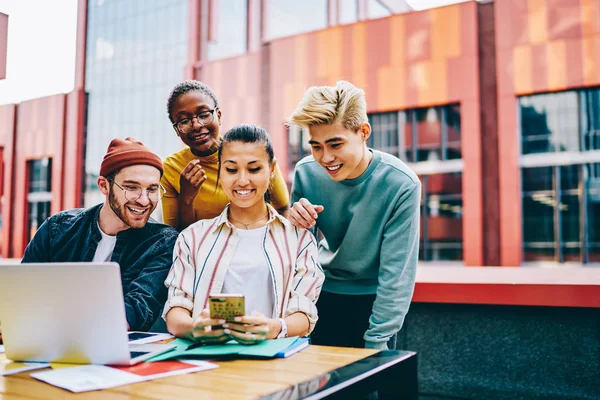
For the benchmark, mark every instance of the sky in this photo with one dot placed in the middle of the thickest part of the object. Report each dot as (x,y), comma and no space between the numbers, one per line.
(41,46)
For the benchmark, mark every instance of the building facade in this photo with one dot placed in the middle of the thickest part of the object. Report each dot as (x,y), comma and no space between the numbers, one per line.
(477,97)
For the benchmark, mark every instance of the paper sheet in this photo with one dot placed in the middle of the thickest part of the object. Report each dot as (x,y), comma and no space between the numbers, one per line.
(8,367)
(94,377)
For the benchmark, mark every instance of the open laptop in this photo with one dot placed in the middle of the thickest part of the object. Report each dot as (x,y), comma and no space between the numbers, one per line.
(67,312)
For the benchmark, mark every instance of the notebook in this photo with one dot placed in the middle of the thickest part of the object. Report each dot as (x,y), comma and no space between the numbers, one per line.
(268,349)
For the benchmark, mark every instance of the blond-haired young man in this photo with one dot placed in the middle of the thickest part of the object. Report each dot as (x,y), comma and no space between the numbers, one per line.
(366,205)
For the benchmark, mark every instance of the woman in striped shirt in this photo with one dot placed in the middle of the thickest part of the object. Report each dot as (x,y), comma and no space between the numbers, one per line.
(249,249)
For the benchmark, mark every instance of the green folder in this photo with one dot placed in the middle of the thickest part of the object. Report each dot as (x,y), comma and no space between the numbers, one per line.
(266,349)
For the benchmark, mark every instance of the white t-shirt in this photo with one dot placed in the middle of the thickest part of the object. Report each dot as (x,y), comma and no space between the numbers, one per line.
(105,247)
(249,273)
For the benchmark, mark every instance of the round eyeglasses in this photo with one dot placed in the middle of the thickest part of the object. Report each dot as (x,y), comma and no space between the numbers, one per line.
(134,192)
(187,124)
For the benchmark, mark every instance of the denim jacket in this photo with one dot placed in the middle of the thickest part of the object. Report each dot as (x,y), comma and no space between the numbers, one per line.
(144,255)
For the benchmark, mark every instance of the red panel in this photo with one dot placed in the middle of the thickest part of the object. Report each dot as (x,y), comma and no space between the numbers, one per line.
(378,38)
(508,294)
(418,38)
(513,14)
(8,114)
(468,31)
(80,49)
(574,65)
(40,133)
(564,19)
(194,16)
(472,183)
(347,49)
(509,178)
(3,44)
(539,74)
(73,143)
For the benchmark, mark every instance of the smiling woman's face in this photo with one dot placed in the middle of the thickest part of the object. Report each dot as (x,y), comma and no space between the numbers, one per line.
(202,139)
(245,173)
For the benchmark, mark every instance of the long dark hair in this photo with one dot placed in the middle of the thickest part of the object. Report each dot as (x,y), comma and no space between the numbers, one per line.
(247,133)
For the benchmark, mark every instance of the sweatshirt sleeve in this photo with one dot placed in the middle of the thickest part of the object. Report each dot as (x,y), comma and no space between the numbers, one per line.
(397,271)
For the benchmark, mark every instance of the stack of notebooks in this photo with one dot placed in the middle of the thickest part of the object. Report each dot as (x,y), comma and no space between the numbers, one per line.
(276,348)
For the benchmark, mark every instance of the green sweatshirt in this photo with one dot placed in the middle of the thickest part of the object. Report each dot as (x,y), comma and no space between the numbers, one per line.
(371,236)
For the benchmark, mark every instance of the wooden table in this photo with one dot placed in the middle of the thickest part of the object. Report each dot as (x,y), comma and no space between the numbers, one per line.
(314,373)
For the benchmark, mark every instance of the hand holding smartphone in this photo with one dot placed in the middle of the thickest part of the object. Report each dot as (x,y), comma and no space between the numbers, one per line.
(226,306)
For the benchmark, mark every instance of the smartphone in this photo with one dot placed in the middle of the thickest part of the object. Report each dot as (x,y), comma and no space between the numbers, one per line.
(226,306)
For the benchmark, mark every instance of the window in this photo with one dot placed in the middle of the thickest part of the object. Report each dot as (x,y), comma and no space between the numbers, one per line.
(232,23)
(298,146)
(441,217)
(429,134)
(287,18)
(39,194)
(561,213)
(560,198)
(420,134)
(387,136)
(591,119)
(549,123)
(558,122)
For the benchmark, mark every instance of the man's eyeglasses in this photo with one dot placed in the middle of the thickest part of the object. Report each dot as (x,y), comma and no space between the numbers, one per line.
(134,192)
(186,125)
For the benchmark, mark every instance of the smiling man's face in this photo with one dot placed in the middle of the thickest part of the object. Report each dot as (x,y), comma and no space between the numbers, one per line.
(134,213)
(341,152)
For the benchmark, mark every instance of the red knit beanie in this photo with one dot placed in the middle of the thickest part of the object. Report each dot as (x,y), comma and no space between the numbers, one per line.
(125,152)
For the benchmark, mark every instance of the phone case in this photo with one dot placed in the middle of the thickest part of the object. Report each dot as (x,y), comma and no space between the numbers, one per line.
(226,307)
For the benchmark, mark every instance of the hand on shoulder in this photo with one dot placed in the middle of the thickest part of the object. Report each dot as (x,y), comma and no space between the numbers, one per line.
(304,214)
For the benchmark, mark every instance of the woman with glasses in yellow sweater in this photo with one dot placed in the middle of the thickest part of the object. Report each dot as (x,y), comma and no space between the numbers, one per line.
(190,176)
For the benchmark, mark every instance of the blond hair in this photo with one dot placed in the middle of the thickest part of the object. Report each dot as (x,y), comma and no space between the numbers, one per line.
(327,105)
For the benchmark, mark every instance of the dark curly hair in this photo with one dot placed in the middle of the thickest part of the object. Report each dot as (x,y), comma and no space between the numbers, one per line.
(186,87)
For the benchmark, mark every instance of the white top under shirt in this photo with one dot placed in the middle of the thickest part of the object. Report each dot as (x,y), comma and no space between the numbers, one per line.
(105,248)
(249,274)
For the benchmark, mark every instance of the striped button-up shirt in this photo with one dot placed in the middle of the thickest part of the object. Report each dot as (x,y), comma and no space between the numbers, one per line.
(204,251)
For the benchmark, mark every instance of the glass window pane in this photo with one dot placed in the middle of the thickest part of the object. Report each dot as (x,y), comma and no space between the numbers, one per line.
(232,30)
(591,130)
(408,136)
(384,132)
(537,179)
(549,122)
(429,133)
(570,213)
(539,202)
(286,18)
(452,121)
(570,227)
(444,217)
(592,174)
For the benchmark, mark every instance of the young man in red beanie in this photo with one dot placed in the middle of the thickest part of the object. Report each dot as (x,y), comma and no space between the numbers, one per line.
(118,230)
